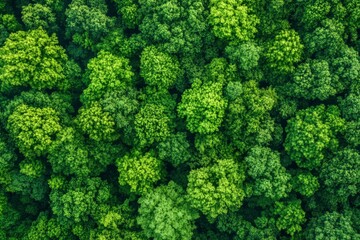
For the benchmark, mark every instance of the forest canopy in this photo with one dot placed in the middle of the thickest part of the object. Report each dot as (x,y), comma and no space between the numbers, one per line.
(169,119)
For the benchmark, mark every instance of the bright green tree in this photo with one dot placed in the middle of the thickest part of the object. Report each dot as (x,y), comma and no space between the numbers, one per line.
(152,124)
(203,107)
(33,59)
(139,171)
(216,189)
(284,51)
(97,123)
(106,72)
(290,216)
(231,20)
(33,129)
(159,69)
(165,213)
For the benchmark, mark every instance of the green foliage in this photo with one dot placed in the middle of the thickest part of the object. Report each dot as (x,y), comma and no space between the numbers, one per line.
(61,103)
(32,59)
(68,154)
(87,22)
(33,129)
(246,55)
(248,120)
(216,189)
(122,105)
(139,171)
(213,146)
(232,21)
(165,213)
(97,123)
(179,119)
(159,69)
(152,124)
(313,80)
(339,175)
(305,183)
(129,11)
(325,40)
(269,179)
(106,73)
(8,24)
(350,107)
(37,15)
(284,51)
(312,132)
(47,228)
(290,216)
(263,228)
(177,26)
(79,199)
(203,107)
(7,160)
(175,149)
(331,226)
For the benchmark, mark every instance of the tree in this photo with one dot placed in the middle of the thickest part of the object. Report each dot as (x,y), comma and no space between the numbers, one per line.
(87,22)
(232,21)
(47,228)
(216,189)
(175,149)
(290,216)
(263,227)
(245,55)
(139,171)
(37,15)
(60,102)
(332,225)
(284,51)
(176,26)
(338,175)
(69,155)
(325,40)
(313,80)
(165,213)
(213,146)
(33,129)
(248,121)
(305,183)
(106,73)
(97,123)
(269,180)
(78,200)
(8,24)
(203,107)
(129,11)
(122,104)
(311,133)
(152,124)
(159,69)
(33,59)
(7,160)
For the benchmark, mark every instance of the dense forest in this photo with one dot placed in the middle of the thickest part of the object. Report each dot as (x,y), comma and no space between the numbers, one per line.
(179,119)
